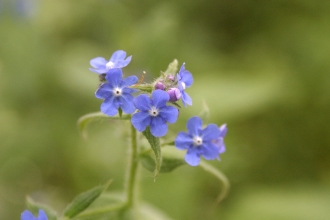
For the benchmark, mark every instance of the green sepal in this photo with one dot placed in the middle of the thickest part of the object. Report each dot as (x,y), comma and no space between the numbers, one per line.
(172,68)
(155,146)
(171,159)
(83,200)
(35,206)
(83,121)
(220,176)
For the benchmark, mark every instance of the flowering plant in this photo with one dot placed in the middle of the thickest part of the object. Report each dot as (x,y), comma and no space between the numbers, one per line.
(149,112)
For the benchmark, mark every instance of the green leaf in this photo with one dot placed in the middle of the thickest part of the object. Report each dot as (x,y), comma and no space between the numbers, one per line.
(96,116)
(172,68)
(220,176)
(108,206)
(171,159)
(155,146)
(82,201)
(35,206)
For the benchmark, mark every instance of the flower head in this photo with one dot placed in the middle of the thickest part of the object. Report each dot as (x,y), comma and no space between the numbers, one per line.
(116,93)
(117,60)
(185,80)
(198,141)
(27,215)
(154,113)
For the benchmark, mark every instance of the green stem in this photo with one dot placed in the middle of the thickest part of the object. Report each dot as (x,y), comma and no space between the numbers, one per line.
(131,184)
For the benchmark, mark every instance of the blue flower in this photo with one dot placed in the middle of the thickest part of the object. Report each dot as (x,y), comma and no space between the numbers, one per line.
(154,113)
(185,80)
(117,60)
(27,215)
(116,93)
(198,141)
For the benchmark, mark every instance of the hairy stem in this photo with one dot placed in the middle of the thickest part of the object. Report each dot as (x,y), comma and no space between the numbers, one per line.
(131,184)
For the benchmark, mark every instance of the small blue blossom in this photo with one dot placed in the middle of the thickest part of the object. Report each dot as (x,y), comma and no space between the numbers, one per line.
(198,141)
(185,80)
(116,93)
(219,142)
(154,113)
(27,215)
(117,60)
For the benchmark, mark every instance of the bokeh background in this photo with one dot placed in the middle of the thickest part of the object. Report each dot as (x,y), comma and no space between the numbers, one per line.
(262,67)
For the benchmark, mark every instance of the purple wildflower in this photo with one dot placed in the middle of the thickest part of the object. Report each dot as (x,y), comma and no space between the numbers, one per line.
(117,60)
(185,80)
(116,93)
(27,215)
(198,141)
(154,113)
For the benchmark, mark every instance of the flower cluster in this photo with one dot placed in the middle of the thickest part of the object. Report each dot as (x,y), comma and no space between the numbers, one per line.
(175,86)
(152,110)
(27,215)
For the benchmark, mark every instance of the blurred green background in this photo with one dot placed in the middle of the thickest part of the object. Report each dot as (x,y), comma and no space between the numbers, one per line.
(261,66)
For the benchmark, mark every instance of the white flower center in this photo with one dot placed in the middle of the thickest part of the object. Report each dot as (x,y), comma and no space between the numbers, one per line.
(197,141)
(153,111)
(117,91)
(110,65)
(183,85)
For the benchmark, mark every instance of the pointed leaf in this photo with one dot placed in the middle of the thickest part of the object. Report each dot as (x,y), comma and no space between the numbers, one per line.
(86,119)
(82,201)
(171,159)
(220,176)
(155,146)
(108,206)
(35,206)
(172,68)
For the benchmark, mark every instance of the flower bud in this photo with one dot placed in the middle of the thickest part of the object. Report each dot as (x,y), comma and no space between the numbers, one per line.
(171,78)
(175,94)
(160,85)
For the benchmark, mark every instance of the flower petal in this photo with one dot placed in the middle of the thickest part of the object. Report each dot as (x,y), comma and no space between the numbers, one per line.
(99,71)
(211,132)
(158,127)
(123,63)
(142,102)
(186,100)
(169,114)
(27,215)
(194,126)
(210,151)
(141,120)
(128,90)
(192,157)
(98,63)
(118,55)
(223,130)
(187,78)
(110,106)
(128,81)
(114,77)
(183,141)
(104,91)
(126,103)
(42,215)
(159,98)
